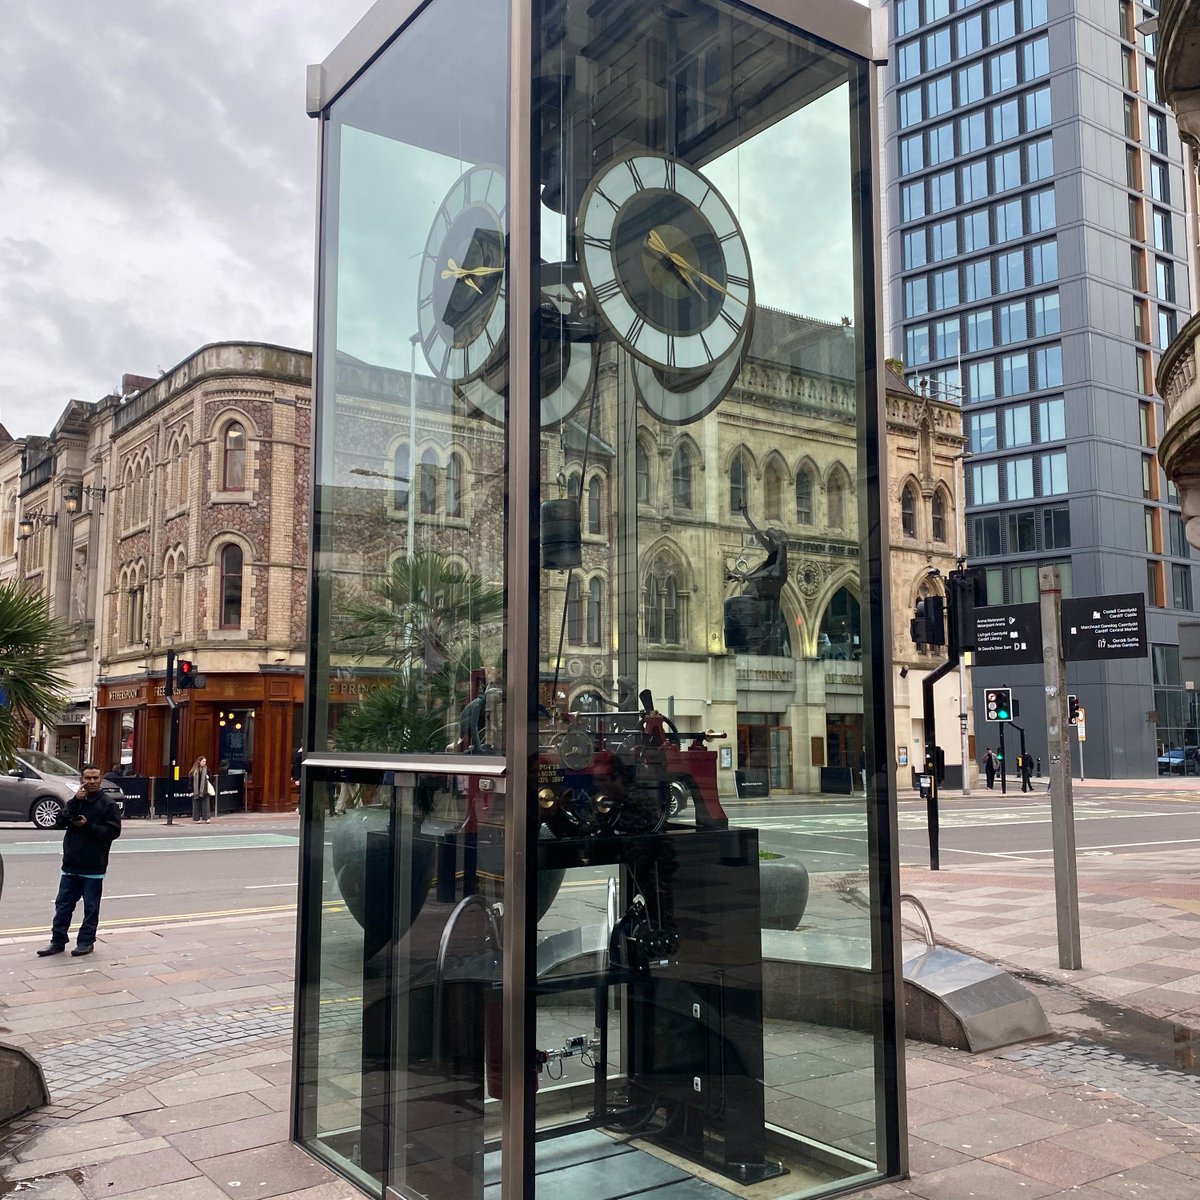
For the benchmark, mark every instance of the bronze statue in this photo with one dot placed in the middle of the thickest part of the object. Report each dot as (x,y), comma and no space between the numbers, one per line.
(753,621)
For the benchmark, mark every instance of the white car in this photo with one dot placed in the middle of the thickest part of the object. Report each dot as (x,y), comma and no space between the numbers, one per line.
(35,788)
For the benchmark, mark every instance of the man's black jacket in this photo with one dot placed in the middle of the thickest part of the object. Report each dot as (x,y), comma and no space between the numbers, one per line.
(85,847)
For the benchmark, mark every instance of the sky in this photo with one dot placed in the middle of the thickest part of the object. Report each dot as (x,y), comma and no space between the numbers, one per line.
(157,187)
(158,192)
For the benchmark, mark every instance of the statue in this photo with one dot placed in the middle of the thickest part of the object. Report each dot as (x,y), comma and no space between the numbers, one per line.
(753,621)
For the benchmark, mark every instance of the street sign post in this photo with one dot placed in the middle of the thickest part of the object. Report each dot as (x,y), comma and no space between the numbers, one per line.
(1008,635)
(1104,627)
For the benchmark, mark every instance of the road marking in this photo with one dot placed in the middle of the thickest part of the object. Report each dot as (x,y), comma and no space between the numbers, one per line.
(250,887)
(1124,845)
(131,896)
(155,845)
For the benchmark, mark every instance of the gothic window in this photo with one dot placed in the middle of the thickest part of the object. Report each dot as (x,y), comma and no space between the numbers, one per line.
(574,612)
(642,468)
(231,586)
(938,517)
(181,471)
(804,498)
(681,478)
(837,501)
(908,512)
(233,464)
(664,604)
(737,483)
(402,474)
(773,493)
(135,605)
(595,612)
(840,635)
(593,504)
(454,486)
(428,482)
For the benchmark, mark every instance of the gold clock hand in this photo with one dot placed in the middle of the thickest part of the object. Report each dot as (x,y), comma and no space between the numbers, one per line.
(681,264)
(466,274)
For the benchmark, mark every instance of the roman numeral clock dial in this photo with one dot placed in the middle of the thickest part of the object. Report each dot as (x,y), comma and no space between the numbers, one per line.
(666,266)
(461,282)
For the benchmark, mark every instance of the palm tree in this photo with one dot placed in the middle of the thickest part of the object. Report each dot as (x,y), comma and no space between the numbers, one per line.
(31,644)
(427,619)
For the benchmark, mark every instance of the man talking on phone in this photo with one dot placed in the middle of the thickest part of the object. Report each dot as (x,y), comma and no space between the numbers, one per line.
(93,821)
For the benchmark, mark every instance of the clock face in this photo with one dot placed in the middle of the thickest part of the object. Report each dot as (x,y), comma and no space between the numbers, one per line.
(665,263)
(677,399)
(565,366)
(461,283)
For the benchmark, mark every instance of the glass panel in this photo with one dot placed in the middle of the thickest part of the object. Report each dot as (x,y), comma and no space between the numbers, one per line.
(730,661)
(409,611)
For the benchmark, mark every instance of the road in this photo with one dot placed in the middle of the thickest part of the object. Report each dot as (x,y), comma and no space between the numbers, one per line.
(250,864)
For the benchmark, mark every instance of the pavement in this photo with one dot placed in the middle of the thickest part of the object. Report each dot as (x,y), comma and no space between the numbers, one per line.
(168,1051)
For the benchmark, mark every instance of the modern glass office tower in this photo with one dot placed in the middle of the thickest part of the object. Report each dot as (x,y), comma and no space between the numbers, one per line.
(1038,260)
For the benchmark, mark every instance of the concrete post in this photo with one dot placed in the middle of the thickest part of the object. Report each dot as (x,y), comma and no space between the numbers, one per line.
(1062,802)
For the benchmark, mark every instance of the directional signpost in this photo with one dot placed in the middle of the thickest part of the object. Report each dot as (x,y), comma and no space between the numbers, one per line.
(1104,627)
(1008,636)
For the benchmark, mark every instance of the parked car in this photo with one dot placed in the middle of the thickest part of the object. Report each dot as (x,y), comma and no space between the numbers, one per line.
(1184,761)
(35,788)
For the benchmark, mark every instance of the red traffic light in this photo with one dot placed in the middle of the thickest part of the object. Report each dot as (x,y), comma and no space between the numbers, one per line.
(185,673)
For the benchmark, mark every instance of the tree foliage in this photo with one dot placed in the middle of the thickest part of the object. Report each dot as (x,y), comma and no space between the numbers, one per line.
(31,648)
(427,621)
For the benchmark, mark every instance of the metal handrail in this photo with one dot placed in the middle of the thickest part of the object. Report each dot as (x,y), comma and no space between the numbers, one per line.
(922,916)
(491,913)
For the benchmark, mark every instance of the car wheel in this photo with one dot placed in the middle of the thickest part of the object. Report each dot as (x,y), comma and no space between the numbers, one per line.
(46,812)
(678,796)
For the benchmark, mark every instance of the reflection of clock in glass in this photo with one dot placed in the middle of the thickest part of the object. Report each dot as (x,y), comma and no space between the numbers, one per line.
(461,286)
(565,366)
(679,399)
(665,262)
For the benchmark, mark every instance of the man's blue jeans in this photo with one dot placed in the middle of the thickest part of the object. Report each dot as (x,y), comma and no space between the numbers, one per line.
(70,890)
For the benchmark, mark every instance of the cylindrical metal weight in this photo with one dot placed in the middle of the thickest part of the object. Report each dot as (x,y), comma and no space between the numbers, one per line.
(562,546)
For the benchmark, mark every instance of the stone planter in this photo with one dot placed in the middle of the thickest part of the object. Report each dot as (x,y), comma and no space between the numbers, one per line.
(783,892)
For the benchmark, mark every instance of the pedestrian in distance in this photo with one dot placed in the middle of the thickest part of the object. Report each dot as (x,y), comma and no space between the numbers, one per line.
(92,818)
(202,791)
(989,766)
(1026,772)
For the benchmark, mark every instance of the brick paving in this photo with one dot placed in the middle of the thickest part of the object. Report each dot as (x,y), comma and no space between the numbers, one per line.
(168,1053)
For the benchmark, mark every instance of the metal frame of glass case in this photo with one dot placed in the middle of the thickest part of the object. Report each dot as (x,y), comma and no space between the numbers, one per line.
(651,237)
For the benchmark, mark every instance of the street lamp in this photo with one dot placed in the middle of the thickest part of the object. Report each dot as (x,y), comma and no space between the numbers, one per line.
(73,494)
(959,462)
(34,520)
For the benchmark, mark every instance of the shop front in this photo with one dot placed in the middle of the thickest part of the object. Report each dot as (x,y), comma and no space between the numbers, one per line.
(564,302)
(246,725)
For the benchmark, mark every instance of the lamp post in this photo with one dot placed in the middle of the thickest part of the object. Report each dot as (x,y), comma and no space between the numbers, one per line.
(960,465)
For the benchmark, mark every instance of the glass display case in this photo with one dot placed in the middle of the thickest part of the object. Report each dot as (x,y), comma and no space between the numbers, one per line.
(598,883)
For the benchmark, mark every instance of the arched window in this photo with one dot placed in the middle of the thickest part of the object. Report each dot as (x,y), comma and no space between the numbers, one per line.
(428,483)
(681,478)
(454,486)
(402,474)
(595,611)
(181,470)
(653,616)
(804,498)
(173,594)
(737,483)
(937,514)
(837,501)
(840,635)
(773,493)
(231,586)
(574,612)
(573,486)
(8,535)
(233,464)
(908,512)
(135,606)
(670,621)
(593,507)
(642,469)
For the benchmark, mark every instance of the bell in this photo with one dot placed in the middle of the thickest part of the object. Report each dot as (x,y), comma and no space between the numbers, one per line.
(562,539)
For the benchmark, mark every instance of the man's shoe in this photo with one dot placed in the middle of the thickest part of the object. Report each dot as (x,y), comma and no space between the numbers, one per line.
(80,950)
(53,948)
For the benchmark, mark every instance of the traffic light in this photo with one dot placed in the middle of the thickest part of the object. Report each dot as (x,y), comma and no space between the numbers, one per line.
(1072,709)
(997,704)
(968,591)
(185,673)
(928,627)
